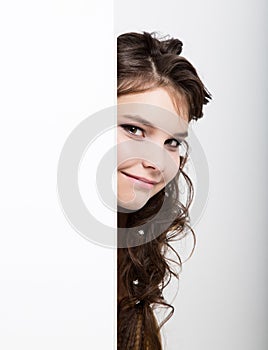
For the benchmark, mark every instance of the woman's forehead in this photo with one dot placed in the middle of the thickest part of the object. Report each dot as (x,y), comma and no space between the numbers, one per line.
(154,109)
(160,97)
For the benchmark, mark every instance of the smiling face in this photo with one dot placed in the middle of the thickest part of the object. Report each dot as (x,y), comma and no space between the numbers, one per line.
(149,133)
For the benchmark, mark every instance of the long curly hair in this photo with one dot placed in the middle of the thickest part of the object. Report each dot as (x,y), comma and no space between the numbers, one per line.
(145,62)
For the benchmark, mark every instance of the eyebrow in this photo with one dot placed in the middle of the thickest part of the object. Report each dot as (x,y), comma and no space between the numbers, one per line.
(139,119)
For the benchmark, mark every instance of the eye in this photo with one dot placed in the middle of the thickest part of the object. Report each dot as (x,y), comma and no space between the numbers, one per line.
(174,143)
(132,129)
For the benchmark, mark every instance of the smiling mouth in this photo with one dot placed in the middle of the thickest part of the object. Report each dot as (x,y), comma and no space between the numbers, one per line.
(140,181)
(140,178)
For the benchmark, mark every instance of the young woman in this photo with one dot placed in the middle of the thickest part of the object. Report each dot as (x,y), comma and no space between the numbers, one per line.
(159,93)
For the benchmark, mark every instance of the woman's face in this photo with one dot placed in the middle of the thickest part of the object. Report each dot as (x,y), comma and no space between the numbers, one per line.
(149,134)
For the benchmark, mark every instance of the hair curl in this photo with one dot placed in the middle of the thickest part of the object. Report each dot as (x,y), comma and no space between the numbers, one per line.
(144,63)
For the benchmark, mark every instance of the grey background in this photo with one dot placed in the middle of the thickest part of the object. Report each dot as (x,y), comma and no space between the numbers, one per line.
(222,301)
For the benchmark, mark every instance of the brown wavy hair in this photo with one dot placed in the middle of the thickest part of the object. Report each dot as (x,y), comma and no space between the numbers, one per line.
(144,62)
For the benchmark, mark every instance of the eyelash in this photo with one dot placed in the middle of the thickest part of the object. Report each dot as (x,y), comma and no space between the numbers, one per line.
(127,127)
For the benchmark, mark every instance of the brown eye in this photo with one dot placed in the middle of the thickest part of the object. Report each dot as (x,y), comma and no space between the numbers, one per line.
(174,143)
(132,129)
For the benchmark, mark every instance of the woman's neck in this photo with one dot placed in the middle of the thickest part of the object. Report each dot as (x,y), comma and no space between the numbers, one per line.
(122,218)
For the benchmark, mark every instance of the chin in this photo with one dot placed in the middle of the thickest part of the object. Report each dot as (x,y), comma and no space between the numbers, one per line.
(130,206)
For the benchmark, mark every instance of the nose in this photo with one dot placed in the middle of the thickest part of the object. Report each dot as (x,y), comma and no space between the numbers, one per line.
(156,163)
(148,164)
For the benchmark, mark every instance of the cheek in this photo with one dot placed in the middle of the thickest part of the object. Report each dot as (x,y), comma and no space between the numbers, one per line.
(120,135)
(171,167)
(126,151)
(124,164)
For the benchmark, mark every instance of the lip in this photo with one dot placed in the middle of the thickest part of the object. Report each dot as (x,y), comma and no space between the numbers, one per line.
(146,183)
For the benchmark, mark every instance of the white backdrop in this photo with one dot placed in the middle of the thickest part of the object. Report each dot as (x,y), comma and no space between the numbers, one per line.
(57,68)
(222,302)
